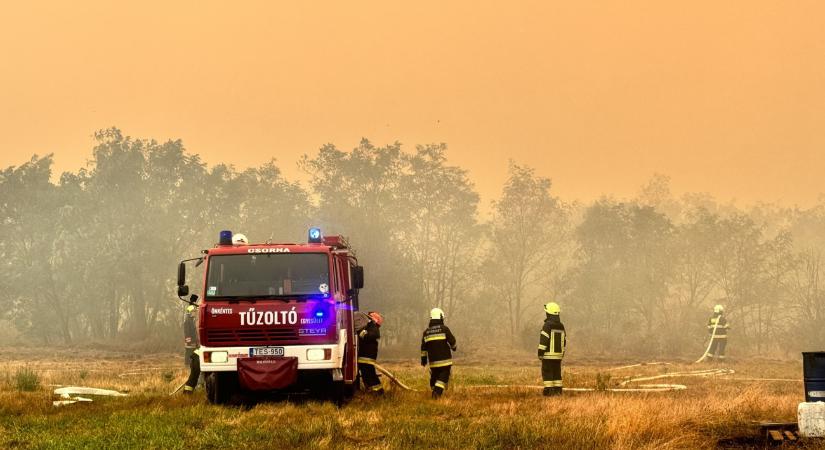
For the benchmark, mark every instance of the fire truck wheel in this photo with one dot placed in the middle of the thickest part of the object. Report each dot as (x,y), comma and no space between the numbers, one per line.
(349,389)
(338,391)
(221,387)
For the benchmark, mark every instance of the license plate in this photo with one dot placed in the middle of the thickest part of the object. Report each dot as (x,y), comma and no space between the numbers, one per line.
(266,351)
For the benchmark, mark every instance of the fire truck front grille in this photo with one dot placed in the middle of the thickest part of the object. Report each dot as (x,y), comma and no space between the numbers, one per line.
(259,336)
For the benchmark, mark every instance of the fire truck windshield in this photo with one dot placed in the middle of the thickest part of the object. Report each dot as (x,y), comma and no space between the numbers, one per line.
(268,275)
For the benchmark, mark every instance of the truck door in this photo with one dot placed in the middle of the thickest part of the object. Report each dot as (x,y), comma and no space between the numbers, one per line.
(341,287)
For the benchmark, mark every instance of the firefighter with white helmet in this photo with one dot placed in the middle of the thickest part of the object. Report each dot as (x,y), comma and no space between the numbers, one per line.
(437,345)
(239,239)
(718,329)
(190,336)
(552,345)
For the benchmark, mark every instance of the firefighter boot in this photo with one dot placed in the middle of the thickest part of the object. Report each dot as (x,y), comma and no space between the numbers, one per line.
(552,391)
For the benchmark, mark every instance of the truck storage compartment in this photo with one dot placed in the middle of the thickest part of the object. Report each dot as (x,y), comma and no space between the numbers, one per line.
(267,373)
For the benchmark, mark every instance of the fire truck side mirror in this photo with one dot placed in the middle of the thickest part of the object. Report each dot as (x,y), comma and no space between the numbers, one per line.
(357,277)
(183,289)
(181,274)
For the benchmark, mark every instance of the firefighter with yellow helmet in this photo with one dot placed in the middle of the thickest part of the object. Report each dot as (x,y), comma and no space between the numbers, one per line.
(718,329)
(552,344)
(437,345)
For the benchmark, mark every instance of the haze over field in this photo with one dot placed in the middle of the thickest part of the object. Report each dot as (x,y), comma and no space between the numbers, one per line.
(725,98)
(584,153)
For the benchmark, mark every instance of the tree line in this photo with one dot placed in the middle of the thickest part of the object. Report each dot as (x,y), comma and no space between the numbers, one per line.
(91,256)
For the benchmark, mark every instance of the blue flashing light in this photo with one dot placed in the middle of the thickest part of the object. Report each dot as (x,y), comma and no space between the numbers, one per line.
(315,235)
(225,238)
(319,314)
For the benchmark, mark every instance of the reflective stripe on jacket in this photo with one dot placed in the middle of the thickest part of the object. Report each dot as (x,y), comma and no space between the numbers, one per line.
(721,328)
(437,344)
(553,339)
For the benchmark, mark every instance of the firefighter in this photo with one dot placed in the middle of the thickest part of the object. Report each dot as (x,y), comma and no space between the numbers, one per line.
(437,346)
(552,344)
(719,339)
(368,353)
(190,336)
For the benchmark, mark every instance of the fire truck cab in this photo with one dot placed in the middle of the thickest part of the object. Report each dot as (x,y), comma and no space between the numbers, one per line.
(277,318)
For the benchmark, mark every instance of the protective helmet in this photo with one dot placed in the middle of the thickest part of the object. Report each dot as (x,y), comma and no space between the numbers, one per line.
(552,308)
(376,317)
(436,313)
(239,239)
(718,309)
(190,308)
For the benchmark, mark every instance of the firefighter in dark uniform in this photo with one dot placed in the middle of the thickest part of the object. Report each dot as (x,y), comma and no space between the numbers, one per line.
(368,353)
(190,336)
(552,344)
(437,346)
(719,341)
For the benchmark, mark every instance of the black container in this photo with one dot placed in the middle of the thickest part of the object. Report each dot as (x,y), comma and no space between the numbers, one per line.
(813,370)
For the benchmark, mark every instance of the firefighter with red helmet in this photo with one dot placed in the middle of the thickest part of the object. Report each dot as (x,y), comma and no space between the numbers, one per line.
(368,352)
(437,345)
(552,344)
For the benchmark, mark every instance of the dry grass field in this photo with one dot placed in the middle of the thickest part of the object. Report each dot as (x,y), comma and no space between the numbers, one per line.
(717,411)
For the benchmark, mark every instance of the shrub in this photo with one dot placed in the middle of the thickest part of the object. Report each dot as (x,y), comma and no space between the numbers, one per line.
(602,381)
(26,379)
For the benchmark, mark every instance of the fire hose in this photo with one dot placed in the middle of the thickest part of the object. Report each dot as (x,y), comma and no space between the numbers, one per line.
(710,344)
(394,379)
(639,388)
(621,388)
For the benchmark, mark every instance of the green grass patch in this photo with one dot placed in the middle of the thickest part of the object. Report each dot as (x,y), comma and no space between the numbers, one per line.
(26,380)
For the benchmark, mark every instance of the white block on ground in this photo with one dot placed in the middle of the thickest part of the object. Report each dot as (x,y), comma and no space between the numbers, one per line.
(66,392)
(811,419)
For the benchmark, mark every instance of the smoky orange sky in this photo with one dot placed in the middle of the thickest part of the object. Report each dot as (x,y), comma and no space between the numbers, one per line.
(725,97)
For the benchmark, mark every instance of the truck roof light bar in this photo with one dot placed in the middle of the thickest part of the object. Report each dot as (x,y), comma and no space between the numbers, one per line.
(337,242)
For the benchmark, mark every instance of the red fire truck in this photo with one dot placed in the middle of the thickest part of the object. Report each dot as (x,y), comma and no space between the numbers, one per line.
(277,318)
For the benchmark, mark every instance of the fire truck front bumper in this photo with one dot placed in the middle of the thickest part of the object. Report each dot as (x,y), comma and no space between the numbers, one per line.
(225,359)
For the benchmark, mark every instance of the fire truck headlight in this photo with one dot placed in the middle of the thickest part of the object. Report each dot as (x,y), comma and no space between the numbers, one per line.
(315,235)
(217,357)
(318,354)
